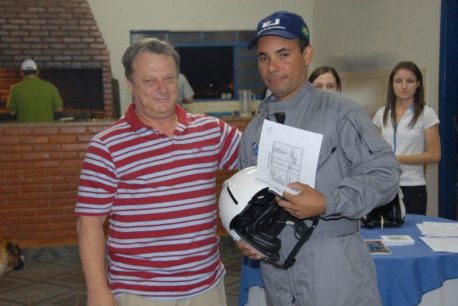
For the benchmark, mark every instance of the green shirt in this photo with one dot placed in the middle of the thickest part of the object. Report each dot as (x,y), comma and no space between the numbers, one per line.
(34,100)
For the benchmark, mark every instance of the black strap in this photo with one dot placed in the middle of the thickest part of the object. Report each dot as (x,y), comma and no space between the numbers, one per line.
(280,117)
(291,259)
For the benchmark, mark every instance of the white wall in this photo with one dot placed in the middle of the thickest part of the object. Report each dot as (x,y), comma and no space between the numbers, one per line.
(351,35)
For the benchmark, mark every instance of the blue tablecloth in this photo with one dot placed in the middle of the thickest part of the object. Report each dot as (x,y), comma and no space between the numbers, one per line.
(403,276)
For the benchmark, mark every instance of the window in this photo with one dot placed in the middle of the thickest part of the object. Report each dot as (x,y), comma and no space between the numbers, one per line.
(210,70)
(215,63)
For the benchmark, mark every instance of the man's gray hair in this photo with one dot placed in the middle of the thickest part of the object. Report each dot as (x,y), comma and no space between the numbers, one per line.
(150,45)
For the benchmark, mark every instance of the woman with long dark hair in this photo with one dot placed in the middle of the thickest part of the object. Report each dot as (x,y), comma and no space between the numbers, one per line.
(412,129)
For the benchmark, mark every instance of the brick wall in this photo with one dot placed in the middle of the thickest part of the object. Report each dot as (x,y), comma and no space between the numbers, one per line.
(56,34)
(40,171)
(40,166)
(7,78)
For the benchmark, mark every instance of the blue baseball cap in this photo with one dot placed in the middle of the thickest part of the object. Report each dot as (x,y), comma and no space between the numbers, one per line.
(284,24)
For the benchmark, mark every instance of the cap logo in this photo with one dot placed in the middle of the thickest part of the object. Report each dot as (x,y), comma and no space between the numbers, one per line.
(305,31)
(271,23)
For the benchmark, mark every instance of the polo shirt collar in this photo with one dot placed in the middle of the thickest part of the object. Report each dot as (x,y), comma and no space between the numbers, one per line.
(133,120)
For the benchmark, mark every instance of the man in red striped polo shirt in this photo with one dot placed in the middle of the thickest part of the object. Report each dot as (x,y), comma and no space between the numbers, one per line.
(152,176)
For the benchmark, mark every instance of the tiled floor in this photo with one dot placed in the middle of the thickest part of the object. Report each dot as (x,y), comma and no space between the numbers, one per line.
(52,277)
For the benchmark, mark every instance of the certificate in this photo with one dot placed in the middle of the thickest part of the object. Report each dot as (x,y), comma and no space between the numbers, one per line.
(287,155)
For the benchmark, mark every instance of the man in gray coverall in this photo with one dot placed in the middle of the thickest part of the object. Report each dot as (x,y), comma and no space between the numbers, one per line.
(356,172)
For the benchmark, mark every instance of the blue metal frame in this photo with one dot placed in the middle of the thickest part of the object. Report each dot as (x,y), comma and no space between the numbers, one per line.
(448,100)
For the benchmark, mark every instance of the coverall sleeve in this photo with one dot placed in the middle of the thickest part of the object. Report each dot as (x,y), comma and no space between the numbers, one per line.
(373,173)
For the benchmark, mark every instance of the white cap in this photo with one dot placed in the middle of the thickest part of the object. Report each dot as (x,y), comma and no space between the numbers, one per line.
(29,64)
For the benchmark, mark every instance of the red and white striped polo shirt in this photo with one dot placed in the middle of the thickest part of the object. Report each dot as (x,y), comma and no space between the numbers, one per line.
(159,193)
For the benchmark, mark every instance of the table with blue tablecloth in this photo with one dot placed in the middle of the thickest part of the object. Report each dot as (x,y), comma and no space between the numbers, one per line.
(404,276)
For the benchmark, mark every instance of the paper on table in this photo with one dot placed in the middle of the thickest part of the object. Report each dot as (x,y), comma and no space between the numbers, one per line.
(286,155)
(438,229)
(397,240)
(441,244)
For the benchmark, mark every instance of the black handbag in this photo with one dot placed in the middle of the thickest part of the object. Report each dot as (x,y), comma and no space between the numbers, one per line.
(388,215)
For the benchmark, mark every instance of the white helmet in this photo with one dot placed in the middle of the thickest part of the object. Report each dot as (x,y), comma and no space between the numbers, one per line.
(236,194)
(249,211)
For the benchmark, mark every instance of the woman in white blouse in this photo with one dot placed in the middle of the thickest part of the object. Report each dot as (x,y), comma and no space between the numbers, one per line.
(412,129)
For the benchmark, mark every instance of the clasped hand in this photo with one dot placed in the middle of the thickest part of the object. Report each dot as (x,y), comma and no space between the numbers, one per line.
(306,204)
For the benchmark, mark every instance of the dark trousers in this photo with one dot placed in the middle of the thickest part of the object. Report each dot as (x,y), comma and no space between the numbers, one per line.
(415,198)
